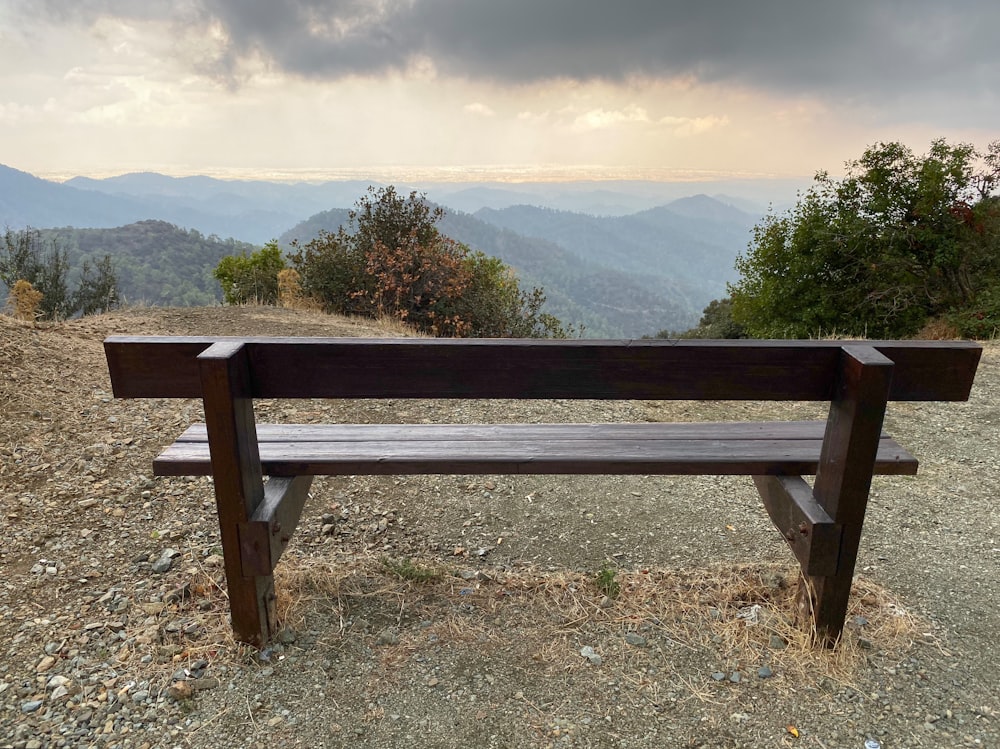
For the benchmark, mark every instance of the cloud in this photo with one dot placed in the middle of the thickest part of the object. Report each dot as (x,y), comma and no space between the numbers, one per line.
(602,119)
(480,109)
(917,55)
(685,126)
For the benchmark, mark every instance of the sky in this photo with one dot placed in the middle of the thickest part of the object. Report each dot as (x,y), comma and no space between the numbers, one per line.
(513,89)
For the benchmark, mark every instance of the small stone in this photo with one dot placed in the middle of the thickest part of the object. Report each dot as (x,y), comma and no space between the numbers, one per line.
(387,636)
(328,529)
(735,677)
(606,602)
(179,691)
(214,560)
(778,642)
(30,706)
(718,676)
(58,693)
(140,696)
(764,672)
(286,636)
(275,720)
(633,639)
(591,655)
(45,664)
(164,563)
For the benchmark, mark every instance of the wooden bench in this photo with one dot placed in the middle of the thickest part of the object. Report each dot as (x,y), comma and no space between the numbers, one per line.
(822,523)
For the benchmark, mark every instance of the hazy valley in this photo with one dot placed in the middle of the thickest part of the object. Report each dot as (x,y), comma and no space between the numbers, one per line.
(614,258)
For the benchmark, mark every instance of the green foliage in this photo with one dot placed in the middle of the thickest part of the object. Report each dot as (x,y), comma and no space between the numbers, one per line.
(251,278)
(155,262)
(716,322)
(390,259)
(97,290)
(898,240)
(606,582)
(23,257)
(980,319)
(405,569)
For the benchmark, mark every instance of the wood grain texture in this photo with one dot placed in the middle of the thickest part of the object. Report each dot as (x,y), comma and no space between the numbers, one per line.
(742,448)
(239,487)
(808,530)
(844,475)
(521,368)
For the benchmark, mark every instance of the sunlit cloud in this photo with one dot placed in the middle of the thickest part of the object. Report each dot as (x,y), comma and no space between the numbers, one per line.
(478,108)
(602,119)
(687,126)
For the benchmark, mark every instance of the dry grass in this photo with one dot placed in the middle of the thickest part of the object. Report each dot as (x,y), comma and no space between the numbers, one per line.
(733,613)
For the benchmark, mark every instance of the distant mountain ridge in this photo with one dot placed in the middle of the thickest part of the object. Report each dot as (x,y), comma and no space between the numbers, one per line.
(620,264)
(615,276)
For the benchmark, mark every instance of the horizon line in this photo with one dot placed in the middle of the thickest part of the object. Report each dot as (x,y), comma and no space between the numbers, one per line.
(504,174)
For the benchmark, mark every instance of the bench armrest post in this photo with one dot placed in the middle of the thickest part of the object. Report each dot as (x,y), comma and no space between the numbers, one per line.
(239,485)
(844,475)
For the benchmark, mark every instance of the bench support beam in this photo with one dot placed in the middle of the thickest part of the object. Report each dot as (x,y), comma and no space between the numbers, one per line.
(239,485)
(844,477)
(810,532)
(264,537)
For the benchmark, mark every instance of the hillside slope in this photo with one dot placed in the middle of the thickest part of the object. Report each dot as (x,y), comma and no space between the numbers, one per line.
(488,655)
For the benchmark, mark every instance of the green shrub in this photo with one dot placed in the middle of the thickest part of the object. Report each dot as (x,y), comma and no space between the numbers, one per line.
(251,278)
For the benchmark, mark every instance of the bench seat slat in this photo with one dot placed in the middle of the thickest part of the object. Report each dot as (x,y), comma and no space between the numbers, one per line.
(778,448)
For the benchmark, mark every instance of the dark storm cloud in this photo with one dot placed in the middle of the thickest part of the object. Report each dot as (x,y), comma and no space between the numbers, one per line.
(862,48)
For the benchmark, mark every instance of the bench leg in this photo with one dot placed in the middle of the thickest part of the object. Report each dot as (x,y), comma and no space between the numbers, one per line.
(239,484)
(844,476)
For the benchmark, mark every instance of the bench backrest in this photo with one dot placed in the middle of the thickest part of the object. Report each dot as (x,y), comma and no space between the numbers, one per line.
(160,366)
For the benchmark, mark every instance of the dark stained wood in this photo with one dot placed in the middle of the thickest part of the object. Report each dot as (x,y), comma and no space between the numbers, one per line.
(519,368)
(742,430)
(844,476)
(822,526)
(239,487)
(644,449)
(809,531)
(264,537)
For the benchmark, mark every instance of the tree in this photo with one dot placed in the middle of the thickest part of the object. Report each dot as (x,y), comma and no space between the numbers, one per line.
(97,290)
(391,260)
(900,239)
(23,258)
(716,322)
(251,278)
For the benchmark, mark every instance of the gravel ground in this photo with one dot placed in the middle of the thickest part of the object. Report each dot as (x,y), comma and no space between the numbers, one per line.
(112,617)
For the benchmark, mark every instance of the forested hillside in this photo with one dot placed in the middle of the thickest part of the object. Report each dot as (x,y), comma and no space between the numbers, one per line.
(156,262)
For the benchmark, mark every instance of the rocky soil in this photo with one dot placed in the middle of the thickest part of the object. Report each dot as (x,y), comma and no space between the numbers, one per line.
(470,611)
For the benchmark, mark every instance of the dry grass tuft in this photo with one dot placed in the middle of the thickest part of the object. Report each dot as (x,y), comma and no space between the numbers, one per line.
(938,329)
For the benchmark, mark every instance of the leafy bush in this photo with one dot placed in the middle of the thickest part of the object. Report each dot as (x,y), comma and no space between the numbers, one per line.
(899,240)
(716,322)
(392,261)
(251,278)
(980,319)
(23,258)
